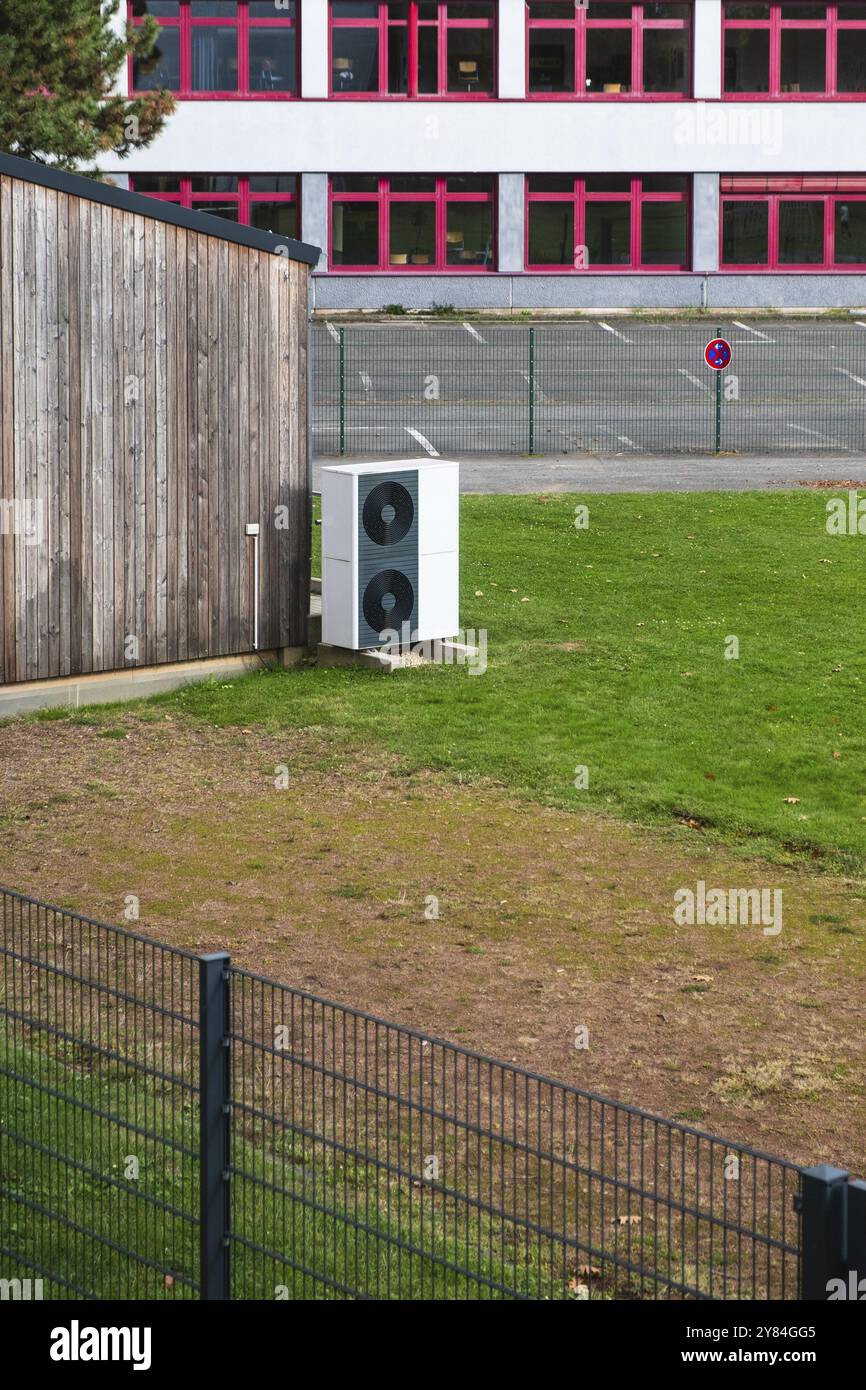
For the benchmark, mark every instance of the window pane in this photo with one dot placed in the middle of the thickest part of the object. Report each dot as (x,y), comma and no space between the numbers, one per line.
(268,9)
(801,233)
(746,9)
(747,60)
(470,9)
(355,234)
(165,69)
(413,234)
(551,60)
(469,183)
(214,183)
(608,60)
(428,58)
(355,183)
(273,183)
(665,183)
(608,183)
(852,60)
(551,233)
(398,59)
(156,183)
(664,234)
(160,9)
(850,223)
(608,233)
(469,235)
(281,218)
(666,9)
(803,60)
(217,209)
(356,60)
(551,183)
(355,9)
(213,9)
(744,233)
(272,60)
(665,60)
(798,10)
(413,183)
(214,59)
(470,60)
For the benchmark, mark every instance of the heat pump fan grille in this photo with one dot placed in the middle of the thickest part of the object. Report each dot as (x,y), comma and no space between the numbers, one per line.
(378,611)
(388,513)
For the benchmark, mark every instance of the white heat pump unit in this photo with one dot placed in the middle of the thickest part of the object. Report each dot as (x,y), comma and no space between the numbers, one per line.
(389,552)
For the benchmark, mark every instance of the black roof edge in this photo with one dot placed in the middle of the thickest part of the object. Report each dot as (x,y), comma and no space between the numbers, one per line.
(79,186)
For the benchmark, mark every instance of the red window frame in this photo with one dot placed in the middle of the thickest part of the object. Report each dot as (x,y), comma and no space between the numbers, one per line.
(774,191)
(382,23)
(581,20)
(244,23)
(440,197)
(833,25)
(244,198)
(636,198)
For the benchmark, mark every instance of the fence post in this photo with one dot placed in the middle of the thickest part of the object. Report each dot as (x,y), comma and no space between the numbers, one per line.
(718,376)
(214,1124)
(823,1205)
(532,390)
(342,391)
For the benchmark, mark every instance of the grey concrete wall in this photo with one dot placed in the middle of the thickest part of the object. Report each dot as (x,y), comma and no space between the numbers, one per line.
(520,291)
(314,213)
(705,222)
(510,219)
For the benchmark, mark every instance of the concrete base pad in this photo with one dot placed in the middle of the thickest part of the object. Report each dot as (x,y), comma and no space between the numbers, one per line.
(134,684)
(375,659)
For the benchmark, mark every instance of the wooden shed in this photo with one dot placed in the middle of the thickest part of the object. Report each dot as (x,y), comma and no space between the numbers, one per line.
(153,412)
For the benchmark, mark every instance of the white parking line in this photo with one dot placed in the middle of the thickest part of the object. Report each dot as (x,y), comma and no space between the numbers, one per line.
(624,439)
(702,386)
(860,323)
(615,331)
(859,380)
(474,333)
(365,381)
(333,332)
(846,448)
(756,331)
(539,394)
(425,443)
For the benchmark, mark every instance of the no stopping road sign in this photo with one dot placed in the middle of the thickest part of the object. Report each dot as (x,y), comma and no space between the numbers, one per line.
(717,354)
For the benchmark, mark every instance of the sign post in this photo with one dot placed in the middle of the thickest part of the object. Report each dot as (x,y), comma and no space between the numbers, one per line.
(717,355)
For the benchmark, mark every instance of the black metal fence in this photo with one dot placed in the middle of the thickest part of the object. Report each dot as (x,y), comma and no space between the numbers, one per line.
(173,1126)
(610,388)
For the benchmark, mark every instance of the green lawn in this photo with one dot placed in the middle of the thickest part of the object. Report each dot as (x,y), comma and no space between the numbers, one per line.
(606,649)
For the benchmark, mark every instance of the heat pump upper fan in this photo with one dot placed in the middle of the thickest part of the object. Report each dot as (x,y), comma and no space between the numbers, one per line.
(389,552)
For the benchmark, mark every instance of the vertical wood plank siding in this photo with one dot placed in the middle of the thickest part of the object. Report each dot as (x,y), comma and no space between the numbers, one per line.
(153,400)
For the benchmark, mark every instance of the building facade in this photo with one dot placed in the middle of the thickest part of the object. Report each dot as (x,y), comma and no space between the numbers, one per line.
(525,154)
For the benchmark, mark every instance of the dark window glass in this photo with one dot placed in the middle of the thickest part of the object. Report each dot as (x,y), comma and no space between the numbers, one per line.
(548,9)
(355,234)
(850,223)
(428,59)
(664,234)
(356,60)
(156,183)
(468,183)
(745,9)
(160,9)
(214,183)
(798,10)
(268,9)
(469,234)
(804,56)
(214,59)
(551,233)
(608,233)
(413,183)
(412,234)
(608,60)
(213,9)
(744,233)
(747,60)
(551,183)
(355,9)
(355,183)
(665,60)
(273,183)
(551,60)
(272,60)
(607,183)
(281,218)
(163,69)
(852,60)
(801,232)
(470,60)
(665,183)
(217,209)
(398,59)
